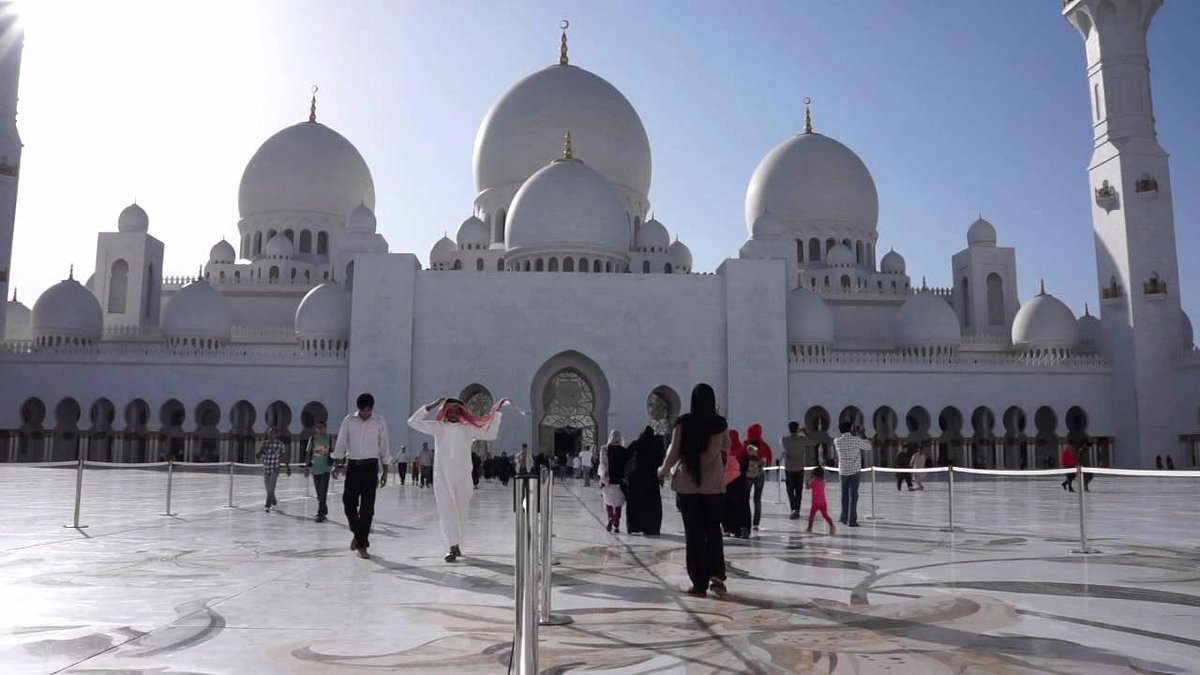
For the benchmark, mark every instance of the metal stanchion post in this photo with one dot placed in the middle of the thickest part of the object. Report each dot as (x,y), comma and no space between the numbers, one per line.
(950,492)
(230,504)
(524,657)
(170,477)
(1083,541)
(78,492)
(873,516)
(546,536)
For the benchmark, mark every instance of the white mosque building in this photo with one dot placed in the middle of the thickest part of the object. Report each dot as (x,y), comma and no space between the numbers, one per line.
(561,291)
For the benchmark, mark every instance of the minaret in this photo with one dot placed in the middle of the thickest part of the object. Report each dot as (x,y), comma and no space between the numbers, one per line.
(11,42)
(1133,224)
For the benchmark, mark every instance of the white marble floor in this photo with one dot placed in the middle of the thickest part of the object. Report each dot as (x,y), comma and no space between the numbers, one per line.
(217,590)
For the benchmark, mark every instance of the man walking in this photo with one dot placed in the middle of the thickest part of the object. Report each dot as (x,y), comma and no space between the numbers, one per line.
(795,450)
(850,449)
(401,463)
(362,445)
(317,459)
(425,461)
(272,453)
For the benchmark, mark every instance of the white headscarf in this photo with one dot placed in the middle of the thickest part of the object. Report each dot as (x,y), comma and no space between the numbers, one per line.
(615,438)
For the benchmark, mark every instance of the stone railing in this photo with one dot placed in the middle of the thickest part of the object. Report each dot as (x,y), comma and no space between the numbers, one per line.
(263,334)
(151,353)
(985,342)
(888,360)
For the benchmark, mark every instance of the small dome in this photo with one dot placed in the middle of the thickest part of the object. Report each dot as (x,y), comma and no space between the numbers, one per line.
(981,233)
(443,252)
(197,311)
(652,236)
(133,219)
(1088,330)
(472,233)
(306,167)
(67,310)
(222,252)
(1044,323)
(324,313)
(815,186)
(926,320)
(766,226)
(361,220)
(17,322)
(280,247)
(892,263)
(840,256)
(1188,336)
(568,206)
(680,256)
(809,321)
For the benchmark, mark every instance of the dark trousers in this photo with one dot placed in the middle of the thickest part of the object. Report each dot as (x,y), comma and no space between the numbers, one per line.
(849,500)
(321,482)
(401,471)
(794,482)
(702,533)
(758,484)
(358,498)
(416,471)
(902,478)
(269,478)
(426,476)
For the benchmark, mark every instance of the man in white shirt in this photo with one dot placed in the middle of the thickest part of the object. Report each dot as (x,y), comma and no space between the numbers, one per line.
(585,465)
(362,446)
(850,449)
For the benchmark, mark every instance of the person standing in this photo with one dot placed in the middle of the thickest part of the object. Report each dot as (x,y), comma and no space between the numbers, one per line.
(476,467)
(272,452)
(402,463)
(454,428)
(1068,460)
(425,462)
(1170,463)
(643,508)
(904,461)
(816,485)
(317,460)
(850,449)
(795,450)
(362,446)
(585,462)
(415,466)
(613,459)
(698,441)
(758,458)
(737,490)
(917,462)
(577,469)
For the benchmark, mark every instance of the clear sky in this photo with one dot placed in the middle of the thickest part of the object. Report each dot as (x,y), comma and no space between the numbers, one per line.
(957,108)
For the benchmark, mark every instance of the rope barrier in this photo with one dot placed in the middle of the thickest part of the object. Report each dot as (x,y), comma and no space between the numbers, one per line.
(125,465)
(1145,473)
(40,464)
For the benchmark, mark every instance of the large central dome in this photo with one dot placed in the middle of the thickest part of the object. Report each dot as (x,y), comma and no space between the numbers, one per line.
(524,128)
(306,167)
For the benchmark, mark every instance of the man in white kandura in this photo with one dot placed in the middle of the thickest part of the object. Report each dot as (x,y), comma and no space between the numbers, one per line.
(454,429)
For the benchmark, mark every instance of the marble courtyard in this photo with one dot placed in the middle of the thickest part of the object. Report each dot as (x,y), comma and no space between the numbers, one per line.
(221,590)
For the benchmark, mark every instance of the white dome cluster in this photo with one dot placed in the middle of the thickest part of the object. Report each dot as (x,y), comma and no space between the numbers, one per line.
(1045,327)
(197,316)
(652,237)
(472,235)
(66,314)
(133,219)
(981,233)
(927,326)
(323,318)
(892,263)
(222,253)
(280,248)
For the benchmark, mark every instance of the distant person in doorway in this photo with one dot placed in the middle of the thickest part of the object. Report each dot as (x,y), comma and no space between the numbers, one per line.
(425,462)
(694,461)
(850,449)
(917,462)
(737,516)
(362,445)
(816,486)
(585,463)
(504,468)
(577,469)
(795,450)
(758,458)
(476,468)
(454,429)
(415,465)
(1170,463)
(643,506)
(318,460)
(272,452)
(904,461)
(1069,460)
(613,459)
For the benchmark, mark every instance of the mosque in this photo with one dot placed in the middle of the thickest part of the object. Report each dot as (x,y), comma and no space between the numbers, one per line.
(564,293)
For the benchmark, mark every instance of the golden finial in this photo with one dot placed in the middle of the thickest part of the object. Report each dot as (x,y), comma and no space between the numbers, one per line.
(71,274)
(567,146)
(312,108)
(562,43)
(807,115)
(14,293)
(1043,287)
(1086,310)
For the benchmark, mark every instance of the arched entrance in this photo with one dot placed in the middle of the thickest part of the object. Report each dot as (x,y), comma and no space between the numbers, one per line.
(570,399)
(662,409)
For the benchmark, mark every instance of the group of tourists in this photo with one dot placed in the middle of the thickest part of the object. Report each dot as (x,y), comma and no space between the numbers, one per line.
(629,482)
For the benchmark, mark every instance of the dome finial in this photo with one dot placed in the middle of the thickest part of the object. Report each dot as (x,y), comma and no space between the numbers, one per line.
(562,44)
(312,108)
(924,287)
(71,273)
(807,115)
(1043,286)
(14,293)
(567,146)
(1086,310)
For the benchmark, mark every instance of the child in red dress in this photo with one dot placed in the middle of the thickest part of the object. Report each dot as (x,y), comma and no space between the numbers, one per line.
(816,483)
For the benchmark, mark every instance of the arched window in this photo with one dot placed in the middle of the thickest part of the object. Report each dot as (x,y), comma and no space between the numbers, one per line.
(293,274)
(273,275)
(553,265)
(966,294)
(800,251)
(596,266)
(271,234)
(608,266)
(995,300)
(500,223)
(457,265)
(568,264)
(500,265)
(583,265)
(814,250)
(539,265)
(829,244)
(257,243)
(479,264)
(290,235)
(322,243)
(845,282)
(667,268)
(245,249)
(645,267)
(118,286)
(858,252)
(305,241)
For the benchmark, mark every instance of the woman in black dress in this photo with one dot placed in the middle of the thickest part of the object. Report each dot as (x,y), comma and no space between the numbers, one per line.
(643,508)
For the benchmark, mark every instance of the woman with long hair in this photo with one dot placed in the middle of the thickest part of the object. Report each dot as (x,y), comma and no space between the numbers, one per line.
(698,443)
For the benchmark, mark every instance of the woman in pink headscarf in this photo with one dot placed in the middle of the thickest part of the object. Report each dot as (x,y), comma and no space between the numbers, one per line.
(736,519)
(454,429)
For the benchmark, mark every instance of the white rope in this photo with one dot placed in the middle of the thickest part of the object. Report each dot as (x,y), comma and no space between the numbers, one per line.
(936,469)
(211,465)
(1140,472)
(124,465)
(1014,472)
(73,462)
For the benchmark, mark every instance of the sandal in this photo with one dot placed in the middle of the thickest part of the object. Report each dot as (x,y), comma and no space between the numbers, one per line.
(717,586)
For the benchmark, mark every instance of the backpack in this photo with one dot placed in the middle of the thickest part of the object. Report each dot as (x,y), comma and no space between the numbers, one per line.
(754,463)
